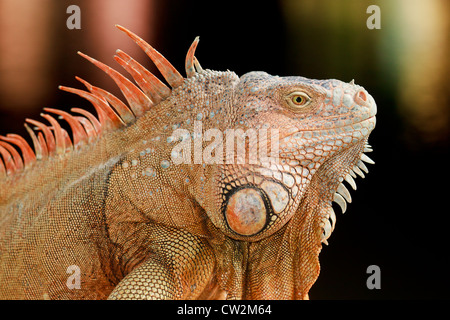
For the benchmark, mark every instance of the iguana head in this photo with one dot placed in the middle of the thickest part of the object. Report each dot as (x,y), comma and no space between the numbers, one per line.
(312,130)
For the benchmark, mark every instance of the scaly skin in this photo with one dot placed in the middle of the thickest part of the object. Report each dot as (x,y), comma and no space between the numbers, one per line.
(141,225)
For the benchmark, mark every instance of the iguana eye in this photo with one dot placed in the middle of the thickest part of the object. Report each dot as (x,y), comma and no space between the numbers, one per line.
(298,100)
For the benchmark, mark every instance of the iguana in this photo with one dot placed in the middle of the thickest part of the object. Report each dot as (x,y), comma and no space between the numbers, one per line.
(121,208)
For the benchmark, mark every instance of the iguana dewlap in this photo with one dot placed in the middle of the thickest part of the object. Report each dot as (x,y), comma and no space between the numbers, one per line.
(216,186)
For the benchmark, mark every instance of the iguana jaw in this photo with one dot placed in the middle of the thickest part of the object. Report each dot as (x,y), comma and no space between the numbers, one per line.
(274,192)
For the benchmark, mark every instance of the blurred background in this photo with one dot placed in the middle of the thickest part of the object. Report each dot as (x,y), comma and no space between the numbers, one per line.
(399,218)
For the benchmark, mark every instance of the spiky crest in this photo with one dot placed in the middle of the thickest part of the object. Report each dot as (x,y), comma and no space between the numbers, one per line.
(112,112)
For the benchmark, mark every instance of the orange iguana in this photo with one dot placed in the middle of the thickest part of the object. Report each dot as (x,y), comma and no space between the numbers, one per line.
(173,196)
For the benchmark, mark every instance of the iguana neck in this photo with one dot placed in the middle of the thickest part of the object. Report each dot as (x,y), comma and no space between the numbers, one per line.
(295,248)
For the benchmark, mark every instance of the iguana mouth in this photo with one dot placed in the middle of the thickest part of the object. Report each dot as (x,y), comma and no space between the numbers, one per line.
(367,123)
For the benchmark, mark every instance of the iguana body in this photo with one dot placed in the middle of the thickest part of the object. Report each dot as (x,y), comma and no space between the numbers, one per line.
(115,203)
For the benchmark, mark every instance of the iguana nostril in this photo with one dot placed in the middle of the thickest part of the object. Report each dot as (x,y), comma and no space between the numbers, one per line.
(361,95)
(362,98)
(246,212)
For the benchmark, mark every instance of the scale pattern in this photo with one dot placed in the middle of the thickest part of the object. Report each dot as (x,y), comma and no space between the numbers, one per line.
(170,195)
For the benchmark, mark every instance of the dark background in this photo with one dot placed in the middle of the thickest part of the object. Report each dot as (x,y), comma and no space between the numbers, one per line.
(399,217)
